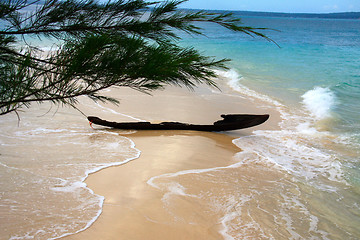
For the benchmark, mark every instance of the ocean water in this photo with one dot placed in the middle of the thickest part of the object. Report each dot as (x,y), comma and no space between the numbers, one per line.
(313,79)
(299,182)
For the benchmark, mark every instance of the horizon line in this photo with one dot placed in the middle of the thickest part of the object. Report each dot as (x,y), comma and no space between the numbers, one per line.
(317,13)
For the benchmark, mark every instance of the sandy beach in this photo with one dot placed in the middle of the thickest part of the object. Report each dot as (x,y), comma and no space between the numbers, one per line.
(134,207)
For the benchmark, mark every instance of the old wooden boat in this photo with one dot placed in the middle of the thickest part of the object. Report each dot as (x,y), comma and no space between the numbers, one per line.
(228,123)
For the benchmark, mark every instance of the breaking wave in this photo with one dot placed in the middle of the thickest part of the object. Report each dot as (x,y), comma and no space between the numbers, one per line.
(319,102)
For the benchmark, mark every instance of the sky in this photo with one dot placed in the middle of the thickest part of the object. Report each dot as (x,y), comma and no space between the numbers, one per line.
(289,6)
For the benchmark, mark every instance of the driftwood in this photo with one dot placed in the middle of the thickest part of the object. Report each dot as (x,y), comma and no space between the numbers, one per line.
(228,123)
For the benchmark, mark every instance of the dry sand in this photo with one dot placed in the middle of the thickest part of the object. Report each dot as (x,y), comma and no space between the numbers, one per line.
(133,209)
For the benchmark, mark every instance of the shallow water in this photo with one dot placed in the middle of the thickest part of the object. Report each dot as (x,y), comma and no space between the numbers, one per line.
(43,163)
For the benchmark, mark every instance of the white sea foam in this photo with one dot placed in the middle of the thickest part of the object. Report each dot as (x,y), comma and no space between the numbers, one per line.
(40,131)
(69,188)
(117,113)
(319,101)
(233,210)
(225,225)
(306,128)
(192,171)
(287,150)
(174,188)
(27,236)
(234,81)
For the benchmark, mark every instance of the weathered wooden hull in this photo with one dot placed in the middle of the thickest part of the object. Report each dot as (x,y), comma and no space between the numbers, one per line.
(230,122)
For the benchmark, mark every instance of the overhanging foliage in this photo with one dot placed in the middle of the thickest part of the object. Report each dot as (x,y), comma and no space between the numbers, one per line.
(100,45)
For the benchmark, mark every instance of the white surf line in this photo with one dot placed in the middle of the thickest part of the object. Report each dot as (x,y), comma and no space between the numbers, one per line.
(192,171)
(234,82)
(101,198)
(121,114)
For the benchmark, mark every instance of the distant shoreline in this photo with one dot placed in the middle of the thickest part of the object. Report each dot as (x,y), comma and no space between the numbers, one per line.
(339,15)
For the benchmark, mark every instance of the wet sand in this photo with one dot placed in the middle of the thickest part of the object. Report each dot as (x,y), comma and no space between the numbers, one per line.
(133,209)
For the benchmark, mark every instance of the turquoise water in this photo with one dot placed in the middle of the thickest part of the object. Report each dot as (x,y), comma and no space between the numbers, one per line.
(313,79)
(317,66)
(313,53)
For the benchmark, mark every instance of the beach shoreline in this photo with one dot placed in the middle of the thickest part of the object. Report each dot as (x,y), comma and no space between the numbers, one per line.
(295,176)
(135,209)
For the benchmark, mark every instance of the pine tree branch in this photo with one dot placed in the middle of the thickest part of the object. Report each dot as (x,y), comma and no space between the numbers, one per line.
(121,43)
